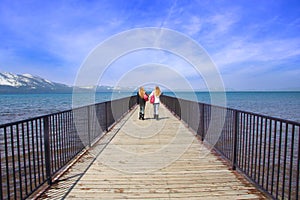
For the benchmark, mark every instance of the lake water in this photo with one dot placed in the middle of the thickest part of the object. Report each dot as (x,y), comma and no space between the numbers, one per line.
(285,105)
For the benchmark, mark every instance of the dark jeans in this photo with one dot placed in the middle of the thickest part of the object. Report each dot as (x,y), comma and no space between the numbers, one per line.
(142,108)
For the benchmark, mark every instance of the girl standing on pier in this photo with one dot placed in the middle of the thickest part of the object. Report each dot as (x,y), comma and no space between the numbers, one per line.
(156,93)
(142,97)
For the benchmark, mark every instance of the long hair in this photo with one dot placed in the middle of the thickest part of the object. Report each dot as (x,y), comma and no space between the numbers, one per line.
(141,92)
(157,91)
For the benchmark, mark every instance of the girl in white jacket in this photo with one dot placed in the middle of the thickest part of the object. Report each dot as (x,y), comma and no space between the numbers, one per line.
(156,93)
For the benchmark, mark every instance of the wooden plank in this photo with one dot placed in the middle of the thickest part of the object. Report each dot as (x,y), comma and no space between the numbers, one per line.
(153,159)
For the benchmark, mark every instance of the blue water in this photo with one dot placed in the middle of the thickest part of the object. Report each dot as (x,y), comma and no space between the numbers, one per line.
(285,105)
(16,107)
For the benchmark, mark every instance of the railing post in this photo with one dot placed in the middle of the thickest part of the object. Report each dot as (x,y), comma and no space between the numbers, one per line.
(202,122)
(235,142)
(188,115)
(179,110)
(106,120)
(47,149)
(89,124)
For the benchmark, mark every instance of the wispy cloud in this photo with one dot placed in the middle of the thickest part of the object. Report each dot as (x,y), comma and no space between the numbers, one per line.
(194,25)
(240,37)
(242,51)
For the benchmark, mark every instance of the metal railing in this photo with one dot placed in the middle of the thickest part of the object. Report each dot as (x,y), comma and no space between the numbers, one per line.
(265,149)
(33,151)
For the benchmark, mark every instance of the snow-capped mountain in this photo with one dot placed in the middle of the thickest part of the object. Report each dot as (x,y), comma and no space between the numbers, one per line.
(13,83)
(27,83)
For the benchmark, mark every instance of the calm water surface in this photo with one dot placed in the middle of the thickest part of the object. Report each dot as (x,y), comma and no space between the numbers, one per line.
(285,105)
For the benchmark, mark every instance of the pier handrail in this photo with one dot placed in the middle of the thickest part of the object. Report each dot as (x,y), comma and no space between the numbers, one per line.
(34,151)
(265,149)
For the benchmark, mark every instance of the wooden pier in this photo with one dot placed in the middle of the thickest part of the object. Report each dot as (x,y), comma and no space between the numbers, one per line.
(151,159)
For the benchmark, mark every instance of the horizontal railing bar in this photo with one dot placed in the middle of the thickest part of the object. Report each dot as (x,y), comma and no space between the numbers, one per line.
(55,113)
(241,111)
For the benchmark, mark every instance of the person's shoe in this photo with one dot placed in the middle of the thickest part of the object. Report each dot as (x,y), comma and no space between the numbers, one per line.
(140,117)
(156,117)
(143,117)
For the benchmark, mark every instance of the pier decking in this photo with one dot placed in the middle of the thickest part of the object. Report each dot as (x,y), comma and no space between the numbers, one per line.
(151,159)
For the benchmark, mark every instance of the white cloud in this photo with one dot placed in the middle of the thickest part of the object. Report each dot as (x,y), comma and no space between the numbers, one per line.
(222,23)
(193,26)
(156,74)
(66,32)
(241,51)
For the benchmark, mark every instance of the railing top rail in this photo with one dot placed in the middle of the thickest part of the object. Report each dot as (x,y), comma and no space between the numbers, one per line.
(246,112)
(60,112)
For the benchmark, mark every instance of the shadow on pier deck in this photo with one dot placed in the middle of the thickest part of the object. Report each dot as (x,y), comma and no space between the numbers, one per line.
(151,159)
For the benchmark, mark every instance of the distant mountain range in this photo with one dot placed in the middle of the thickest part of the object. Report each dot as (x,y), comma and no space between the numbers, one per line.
(26,83)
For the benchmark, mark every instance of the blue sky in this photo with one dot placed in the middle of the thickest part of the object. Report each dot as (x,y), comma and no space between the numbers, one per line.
(254,44)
